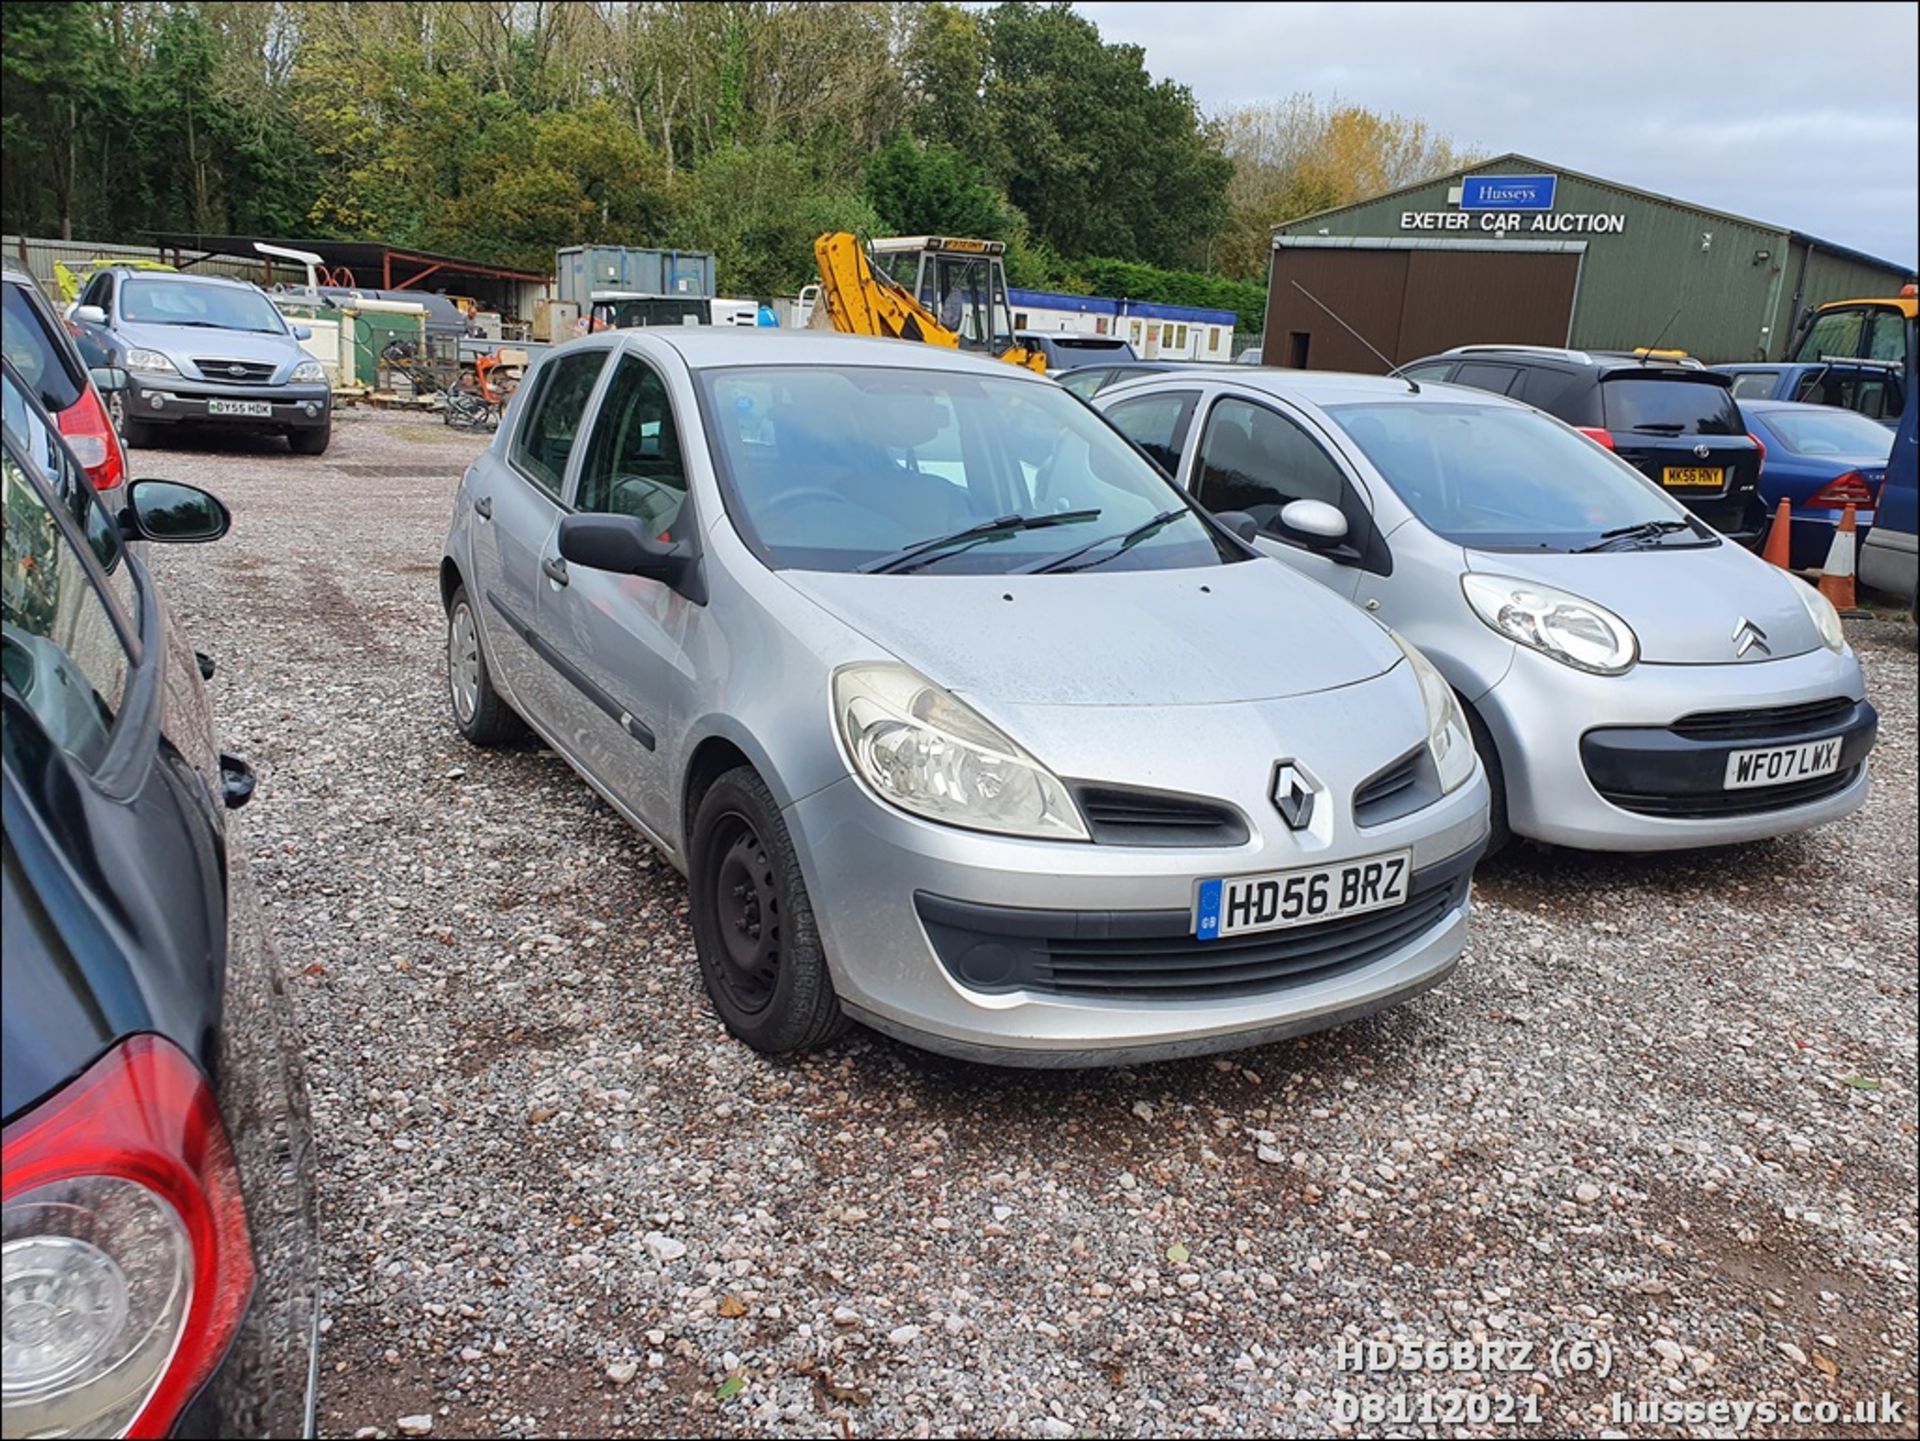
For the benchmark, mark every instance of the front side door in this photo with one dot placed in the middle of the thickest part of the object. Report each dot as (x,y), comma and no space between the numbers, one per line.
(517,510)
(618,638)
(1254,459)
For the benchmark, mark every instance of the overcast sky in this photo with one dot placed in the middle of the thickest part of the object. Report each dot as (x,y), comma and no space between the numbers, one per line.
(1802,115)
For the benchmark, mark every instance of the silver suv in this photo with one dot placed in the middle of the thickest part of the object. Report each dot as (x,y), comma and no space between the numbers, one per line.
(202,348)
(961,720)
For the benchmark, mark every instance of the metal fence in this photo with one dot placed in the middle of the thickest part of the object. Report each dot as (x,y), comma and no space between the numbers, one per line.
(36,256)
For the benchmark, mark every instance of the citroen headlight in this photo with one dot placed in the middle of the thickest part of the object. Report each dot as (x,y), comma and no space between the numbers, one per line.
(1825,617)
(152,362)
(922,749)
(308,372)
(1573,631)
(1449,741)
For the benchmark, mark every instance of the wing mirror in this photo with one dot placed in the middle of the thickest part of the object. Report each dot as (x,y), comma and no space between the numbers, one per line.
(1315,522)
(108,378)
(89,315)
(1240,523)
(621,545)
(303,332)
(169,512)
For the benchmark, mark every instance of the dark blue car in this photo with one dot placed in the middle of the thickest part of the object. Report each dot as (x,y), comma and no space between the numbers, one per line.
(1875,391)
(1821,459)
(1890,556)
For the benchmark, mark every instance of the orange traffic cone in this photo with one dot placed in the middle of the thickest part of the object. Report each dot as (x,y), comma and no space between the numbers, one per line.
(1779,549)
(1836,577)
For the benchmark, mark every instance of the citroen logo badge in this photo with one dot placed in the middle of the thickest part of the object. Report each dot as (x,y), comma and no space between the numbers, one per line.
(1748,636)
(1293,793)
(1703,450)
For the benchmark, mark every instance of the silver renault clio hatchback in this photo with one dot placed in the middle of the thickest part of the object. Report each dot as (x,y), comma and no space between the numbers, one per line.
(1634,681)
(960,720)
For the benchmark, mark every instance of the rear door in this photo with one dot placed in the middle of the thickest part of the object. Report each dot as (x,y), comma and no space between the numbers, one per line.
(518,502)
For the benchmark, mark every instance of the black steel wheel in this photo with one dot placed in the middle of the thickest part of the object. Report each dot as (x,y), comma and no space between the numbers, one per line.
(753,927)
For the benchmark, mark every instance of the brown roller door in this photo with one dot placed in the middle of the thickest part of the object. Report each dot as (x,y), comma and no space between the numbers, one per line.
(1412,303)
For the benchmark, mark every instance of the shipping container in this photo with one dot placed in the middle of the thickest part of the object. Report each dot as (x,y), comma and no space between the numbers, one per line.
(582,269)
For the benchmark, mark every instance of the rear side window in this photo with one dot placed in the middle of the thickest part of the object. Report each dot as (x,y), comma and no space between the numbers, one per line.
(1157,424)
(1758,386)
(1481,376)
(1669,407)
(1433,370)
(544,441)
(37,354)
(62,654)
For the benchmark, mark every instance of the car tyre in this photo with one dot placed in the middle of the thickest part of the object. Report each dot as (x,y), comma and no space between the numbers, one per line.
(482,716)
(753,925)
(311,441)
(1499,834)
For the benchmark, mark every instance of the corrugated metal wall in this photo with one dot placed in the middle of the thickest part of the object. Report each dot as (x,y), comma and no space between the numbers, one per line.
(1730,281)
(36,256)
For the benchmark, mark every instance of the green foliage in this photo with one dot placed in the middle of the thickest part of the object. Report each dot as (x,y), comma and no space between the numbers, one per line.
(920,189)
(501,132)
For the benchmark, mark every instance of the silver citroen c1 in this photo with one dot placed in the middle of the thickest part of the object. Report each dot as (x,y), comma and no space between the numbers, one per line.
(960,720)
(1634,681)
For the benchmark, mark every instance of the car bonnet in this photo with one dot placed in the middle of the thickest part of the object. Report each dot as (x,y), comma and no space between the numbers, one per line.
(1217,635)
(1688,607)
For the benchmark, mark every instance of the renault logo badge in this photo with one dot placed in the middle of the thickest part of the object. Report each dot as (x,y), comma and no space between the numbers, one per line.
(1293,792)
(1748,636)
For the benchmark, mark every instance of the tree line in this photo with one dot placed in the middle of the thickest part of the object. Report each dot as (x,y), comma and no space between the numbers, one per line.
(501,130)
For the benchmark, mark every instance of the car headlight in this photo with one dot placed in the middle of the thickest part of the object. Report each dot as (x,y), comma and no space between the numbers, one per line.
(308,372)
(1825,617)
(1449,741)
(1573,631)
(924,750)
(150,361)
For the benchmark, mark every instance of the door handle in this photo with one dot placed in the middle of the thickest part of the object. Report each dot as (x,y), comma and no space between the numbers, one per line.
(483,507)
(554,568)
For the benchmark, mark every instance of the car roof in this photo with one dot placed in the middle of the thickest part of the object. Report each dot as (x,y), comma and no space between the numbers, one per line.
(132,274)
(1316,387)
(712,347)
(1770,406)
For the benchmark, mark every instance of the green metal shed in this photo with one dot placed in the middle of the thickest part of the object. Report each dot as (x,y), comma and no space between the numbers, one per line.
(1515,250)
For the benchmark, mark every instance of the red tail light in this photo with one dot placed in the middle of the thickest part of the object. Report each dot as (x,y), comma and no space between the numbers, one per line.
(89,430)
(127,1265)
(1761,446)
(1595,434)
(1843,490)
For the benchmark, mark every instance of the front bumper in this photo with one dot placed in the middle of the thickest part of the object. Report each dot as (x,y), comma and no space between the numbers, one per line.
(1594,762)
(176,398)
(878,879)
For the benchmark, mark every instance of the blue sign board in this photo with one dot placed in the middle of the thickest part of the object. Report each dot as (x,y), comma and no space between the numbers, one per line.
(1507,192)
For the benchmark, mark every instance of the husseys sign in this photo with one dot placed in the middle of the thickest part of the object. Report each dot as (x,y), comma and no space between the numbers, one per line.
(1499,203)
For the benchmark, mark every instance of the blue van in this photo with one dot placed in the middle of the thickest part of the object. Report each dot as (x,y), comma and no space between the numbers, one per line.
(1890,555)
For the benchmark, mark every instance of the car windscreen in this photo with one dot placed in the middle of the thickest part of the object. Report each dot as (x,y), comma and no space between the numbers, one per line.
(1500,477)
(181,302)
(37,354)
(1086,342)
(1822,431)
(840,468)
(1661,405)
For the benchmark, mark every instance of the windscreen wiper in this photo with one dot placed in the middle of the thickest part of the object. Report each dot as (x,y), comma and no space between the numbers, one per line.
(1127,538)
(1639,530)
(922,551)
(1670,427)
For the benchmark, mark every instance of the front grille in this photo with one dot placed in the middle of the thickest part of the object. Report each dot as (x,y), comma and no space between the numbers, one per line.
(1391,793)
(1153,955)
(1717,804)
(239,372)
(1120,816)
(1182,968)
(1766,723)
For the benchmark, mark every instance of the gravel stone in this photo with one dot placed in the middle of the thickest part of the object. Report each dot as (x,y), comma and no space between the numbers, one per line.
(1722,1043)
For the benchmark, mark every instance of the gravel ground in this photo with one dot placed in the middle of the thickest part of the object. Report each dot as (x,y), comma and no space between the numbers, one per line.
(1666,1109)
